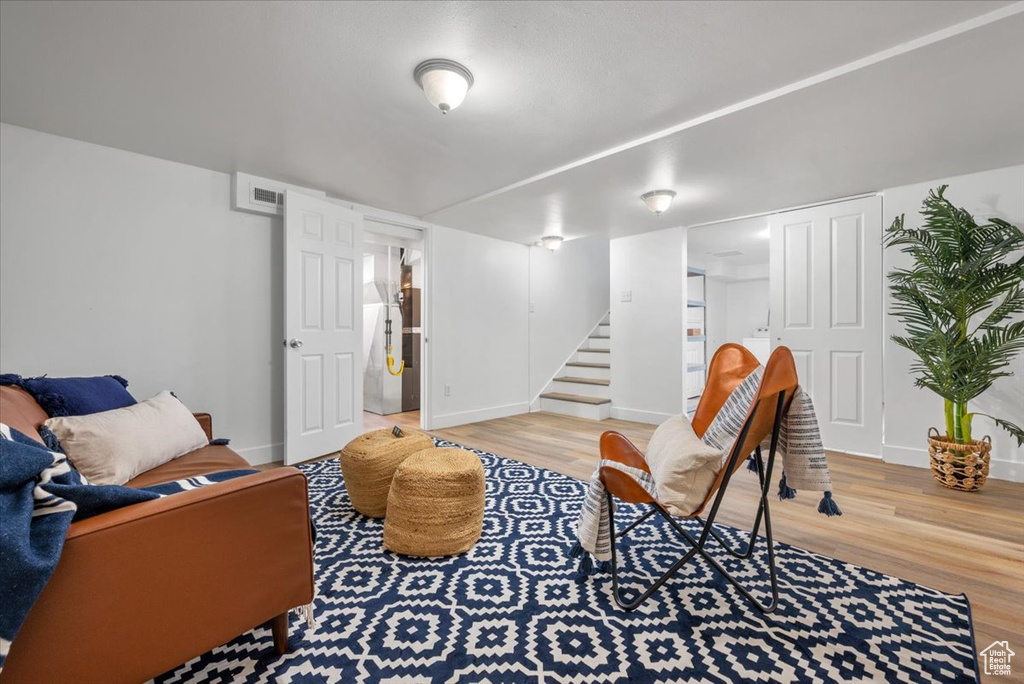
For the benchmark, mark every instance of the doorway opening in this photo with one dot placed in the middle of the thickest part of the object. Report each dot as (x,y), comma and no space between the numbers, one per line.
(393,325)
(728,293)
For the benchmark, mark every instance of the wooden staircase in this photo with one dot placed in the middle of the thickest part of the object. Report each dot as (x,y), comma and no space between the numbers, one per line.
(582,387)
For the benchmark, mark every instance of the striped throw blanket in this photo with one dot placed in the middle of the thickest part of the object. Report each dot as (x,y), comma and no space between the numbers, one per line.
(800,449)
(594,535)
(803,457)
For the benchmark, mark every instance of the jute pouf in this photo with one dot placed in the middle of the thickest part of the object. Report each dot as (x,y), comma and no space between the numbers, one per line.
(436,505)
(368,462)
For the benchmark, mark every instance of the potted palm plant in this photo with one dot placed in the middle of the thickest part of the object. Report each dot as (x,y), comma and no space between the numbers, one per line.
(960,301)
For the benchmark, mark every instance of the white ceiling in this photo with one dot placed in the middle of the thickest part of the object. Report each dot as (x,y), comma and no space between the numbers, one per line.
(321,94)
(748,236)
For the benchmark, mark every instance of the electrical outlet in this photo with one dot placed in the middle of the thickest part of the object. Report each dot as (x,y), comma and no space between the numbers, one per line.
(533,308)
(447,390)
(627,296)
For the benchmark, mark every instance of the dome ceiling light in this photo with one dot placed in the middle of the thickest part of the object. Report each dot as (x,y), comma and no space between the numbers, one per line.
(658,200)
(551,242)
(444,82)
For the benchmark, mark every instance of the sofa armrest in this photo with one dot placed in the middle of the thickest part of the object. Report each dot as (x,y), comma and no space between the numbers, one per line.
(205,422)
(142,589)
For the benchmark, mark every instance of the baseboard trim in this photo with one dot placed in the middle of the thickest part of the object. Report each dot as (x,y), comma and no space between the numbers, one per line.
(452,419)
(998,469)
(1002,469)
(916,458)
(268,453)
(639,416)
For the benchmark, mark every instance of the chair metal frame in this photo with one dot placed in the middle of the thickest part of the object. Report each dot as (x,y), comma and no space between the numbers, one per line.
(699,545)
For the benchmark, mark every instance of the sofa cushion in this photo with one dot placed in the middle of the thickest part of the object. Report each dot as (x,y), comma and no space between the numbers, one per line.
(209,459)
(113,447)
(79,396)
(20,410)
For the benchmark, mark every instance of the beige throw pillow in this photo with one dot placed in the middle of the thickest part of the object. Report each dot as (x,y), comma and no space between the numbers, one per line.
(112,447)
(683,467)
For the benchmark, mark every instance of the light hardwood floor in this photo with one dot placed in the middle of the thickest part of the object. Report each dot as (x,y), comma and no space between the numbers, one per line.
(896,519)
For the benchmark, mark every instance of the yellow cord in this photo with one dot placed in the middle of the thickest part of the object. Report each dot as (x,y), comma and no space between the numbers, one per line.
(391,364)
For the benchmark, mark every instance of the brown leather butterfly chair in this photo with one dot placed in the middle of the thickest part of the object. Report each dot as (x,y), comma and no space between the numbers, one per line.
(729,366)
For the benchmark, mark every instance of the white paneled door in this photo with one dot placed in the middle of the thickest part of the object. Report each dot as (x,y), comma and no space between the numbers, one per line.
(323,310)
(826,306)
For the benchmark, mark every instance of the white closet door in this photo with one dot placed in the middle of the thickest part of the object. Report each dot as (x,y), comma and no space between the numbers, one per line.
(323,326)
(826,303)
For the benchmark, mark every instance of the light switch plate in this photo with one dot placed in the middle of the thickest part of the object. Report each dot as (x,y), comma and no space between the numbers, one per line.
(627,296)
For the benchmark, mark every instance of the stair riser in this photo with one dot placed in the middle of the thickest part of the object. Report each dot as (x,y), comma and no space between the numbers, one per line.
(598,343)
(592,357)
(584,372)
(603,391)
(606,320)
(571,408)
(604,329)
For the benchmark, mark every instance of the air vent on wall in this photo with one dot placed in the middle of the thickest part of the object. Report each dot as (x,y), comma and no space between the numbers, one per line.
(269,197)
(727,253)
(262,195)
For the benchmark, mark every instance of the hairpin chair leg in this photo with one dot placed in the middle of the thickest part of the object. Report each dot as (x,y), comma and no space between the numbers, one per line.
(747,551)
(770,543)
(630,605)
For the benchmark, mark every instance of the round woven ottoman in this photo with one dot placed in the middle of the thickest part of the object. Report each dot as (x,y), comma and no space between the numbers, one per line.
(436,505)
(369,461)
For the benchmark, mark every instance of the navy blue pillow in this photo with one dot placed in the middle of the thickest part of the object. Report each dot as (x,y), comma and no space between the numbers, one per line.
(79,396)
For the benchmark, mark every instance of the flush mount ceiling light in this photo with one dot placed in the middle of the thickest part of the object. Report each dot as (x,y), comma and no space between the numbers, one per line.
(551,242)
(658,200)
(444,82)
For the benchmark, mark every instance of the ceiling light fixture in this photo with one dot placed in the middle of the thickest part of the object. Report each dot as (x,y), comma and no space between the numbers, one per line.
(444,82)
(551,242)
(658,200)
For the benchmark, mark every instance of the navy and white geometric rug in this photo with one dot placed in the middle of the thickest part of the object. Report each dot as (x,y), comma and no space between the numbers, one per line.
(513,609)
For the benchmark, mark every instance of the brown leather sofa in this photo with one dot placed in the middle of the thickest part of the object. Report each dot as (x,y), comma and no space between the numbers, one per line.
(142,589)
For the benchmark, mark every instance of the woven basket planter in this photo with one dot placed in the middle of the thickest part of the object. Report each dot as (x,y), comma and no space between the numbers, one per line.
(959,466)
(369,461)
(436,505)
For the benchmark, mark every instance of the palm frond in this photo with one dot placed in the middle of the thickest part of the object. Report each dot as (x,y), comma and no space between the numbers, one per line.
(959,300)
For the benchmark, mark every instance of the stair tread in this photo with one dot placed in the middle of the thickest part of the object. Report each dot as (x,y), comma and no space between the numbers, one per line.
(600,337)
(596,351)
(588,364)
(583,381)
(577,398)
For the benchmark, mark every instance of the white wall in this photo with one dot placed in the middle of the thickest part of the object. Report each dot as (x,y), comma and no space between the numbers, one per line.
(747,307)
(568,296)
(114,262)
(734,310)
(910,411)
(717,315)
(647,332)
(478,327)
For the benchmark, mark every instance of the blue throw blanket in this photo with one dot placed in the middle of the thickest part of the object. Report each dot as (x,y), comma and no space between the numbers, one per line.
(40,496)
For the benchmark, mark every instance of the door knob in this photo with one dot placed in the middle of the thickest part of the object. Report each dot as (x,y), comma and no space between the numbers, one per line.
(295,344)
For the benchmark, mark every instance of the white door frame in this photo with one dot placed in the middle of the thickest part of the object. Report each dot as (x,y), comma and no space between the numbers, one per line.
(400,225)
